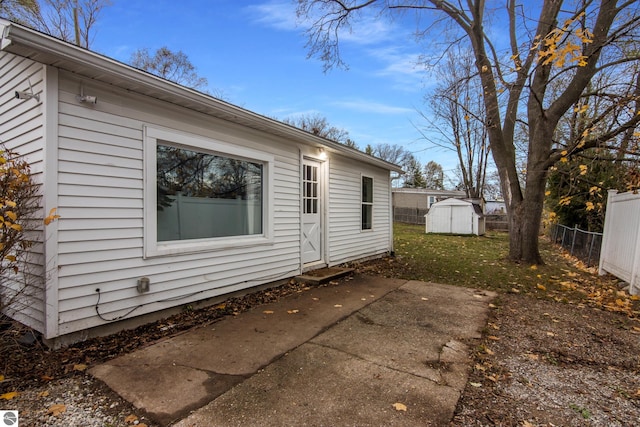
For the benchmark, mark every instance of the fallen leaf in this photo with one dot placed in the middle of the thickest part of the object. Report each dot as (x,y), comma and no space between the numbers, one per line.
(493,338)
(43,394)
(541,287)
(46,378)
(293,311)
(338,305)
(131,419)
(9,396)
(56,409)
(493,306)
(400,407)
(1,378)
(533,356)
(315,299)
(268,312)
(475,384)
(527,424)
(424,299)
(489,351)
(551,334)
(81,367)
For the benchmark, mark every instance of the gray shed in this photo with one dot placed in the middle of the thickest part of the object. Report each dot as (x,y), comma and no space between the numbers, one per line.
(455,216)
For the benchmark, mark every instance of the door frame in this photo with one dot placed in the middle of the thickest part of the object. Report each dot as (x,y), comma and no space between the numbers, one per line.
(322,197)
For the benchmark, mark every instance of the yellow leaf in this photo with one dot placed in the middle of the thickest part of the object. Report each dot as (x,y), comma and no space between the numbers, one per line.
(268,312)
(57,409)
(9,396)
(293,311)
(1,378)
(541,287)
(400,407)
(534,267)
(489,351)
(51,217)
(583,169)
(80,367)
(11,215)
(130,419)
(589,206)
(43,394)
(16,227)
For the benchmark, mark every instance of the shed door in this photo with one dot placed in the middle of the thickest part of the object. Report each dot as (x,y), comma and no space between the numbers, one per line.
(311,212)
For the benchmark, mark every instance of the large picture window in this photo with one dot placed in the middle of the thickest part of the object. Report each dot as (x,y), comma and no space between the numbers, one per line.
(204,194)
(367,203)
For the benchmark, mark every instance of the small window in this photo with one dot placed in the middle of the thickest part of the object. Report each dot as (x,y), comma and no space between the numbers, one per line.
(367,203)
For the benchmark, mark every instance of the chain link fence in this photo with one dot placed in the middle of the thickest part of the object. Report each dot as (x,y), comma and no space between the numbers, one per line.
(584,245)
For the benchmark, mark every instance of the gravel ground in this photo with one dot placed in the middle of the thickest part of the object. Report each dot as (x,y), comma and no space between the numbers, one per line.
(79,401)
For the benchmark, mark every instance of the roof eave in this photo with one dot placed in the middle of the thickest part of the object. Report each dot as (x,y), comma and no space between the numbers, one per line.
(15,38)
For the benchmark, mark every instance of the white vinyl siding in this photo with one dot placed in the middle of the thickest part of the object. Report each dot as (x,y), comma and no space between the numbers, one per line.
(101,229)
(22,130)
(347,240)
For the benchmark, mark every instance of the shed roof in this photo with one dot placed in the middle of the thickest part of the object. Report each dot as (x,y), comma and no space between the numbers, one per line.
(49,50)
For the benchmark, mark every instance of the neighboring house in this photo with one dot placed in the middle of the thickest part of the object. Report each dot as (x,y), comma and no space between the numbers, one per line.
(455,216)
(495,207)
(410,205)
(167,196)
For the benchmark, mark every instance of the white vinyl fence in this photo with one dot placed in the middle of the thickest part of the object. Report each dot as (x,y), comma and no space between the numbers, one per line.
(620,253)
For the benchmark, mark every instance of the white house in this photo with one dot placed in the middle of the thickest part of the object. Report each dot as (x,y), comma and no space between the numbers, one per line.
(455,216)
(168,196)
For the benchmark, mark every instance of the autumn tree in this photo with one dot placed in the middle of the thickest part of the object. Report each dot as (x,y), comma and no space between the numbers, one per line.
(70,20)
(320,126)
(555,44)
(170,65)
(456,121)
(434,175)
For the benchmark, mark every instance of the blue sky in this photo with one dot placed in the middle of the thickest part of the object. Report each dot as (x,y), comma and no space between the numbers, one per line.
(254,53)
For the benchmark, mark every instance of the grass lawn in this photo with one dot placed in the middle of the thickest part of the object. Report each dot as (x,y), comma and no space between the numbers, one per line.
(481,262)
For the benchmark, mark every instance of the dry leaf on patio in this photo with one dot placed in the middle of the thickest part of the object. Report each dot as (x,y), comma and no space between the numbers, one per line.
(268,312)
(57,409)
(338,305)
(131,419)
(9,396)
(400,407)
(293,311)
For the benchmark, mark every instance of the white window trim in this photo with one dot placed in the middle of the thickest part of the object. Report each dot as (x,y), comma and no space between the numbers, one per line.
(152,247)
(362,202)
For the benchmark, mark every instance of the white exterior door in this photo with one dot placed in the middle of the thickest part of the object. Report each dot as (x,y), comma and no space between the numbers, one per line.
(311,212)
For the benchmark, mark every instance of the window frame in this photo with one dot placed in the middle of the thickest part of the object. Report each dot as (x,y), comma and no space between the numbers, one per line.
(152,247)
(364,203)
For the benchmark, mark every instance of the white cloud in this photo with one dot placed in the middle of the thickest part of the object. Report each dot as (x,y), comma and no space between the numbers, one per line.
(275,14)
(365,106)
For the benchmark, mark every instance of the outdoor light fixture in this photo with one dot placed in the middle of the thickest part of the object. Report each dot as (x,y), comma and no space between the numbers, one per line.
(23,94)
(321,153)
